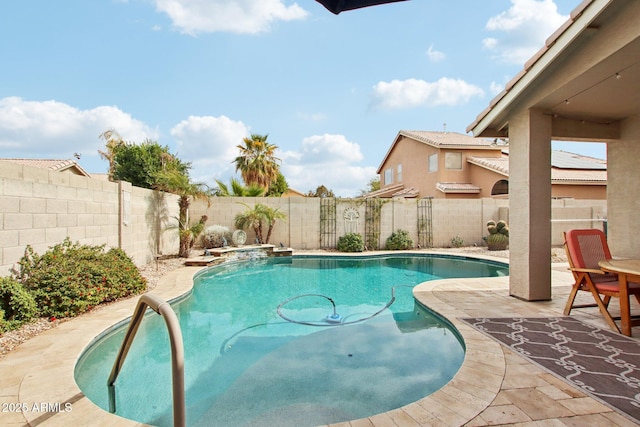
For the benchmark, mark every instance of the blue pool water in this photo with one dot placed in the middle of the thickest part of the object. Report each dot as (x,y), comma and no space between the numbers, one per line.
(264,344)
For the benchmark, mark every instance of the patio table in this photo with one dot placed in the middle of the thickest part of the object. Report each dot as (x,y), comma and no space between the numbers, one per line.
(628,270)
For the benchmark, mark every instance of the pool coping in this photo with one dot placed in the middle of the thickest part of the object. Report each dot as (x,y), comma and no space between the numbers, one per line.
(38,376)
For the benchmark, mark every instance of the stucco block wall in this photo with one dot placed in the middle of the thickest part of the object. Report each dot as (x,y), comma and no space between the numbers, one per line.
(41,208)
(301,229)
(463,218)
(567,214)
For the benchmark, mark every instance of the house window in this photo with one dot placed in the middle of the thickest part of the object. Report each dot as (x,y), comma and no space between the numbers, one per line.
(388,176)
(453,161)
(433,163)
(399,173)
(500,187)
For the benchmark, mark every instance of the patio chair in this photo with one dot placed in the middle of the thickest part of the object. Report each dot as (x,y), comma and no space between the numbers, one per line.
(585,248)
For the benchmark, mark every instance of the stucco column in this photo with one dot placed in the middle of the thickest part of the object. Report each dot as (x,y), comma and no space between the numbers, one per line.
(623,191)
(530,206)
(124,223)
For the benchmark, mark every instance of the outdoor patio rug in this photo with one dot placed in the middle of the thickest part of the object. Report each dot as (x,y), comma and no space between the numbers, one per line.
(601,363)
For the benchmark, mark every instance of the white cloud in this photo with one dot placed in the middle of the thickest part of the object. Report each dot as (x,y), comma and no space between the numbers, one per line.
(239,16)
(329,160)
(525,26)
(490,43)
(56,130)
(435,55)
(209,143)
(413,93)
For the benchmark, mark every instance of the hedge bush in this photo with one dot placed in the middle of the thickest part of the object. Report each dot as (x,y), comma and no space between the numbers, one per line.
(17,305)
(399,240)
(70,278)
(351,242)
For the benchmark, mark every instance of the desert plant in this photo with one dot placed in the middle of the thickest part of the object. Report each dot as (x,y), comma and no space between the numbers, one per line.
(69,278)
(399,240)
(498,238)
(176,182)
(256,217)
(351,242)
(17,305)
(215,236)
(456,242)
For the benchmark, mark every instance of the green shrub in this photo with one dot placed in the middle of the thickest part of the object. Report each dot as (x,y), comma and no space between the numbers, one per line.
(70,278)
(351,242)
(17,305)
(399,240)
(457,242)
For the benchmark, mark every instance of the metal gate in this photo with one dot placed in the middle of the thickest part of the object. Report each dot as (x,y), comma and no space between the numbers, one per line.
(372,224)
(327,223)
(425,223)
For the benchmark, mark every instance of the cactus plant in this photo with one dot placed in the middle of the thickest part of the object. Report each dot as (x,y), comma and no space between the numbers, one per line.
(498,238)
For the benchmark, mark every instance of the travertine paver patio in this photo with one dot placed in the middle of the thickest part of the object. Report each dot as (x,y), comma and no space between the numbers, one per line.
(493,387)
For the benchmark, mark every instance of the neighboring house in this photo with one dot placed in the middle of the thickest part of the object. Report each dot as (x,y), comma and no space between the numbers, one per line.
(452,165)
(67,166)
(293,193)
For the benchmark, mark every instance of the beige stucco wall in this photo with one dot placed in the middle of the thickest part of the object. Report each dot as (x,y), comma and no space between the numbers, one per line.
(585,192)
(301,230)
(623,191)
(414,158)
(41,208)
(485,179)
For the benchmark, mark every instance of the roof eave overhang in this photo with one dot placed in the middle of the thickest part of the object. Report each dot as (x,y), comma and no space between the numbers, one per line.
(489,168)
(386,156)
(493,122)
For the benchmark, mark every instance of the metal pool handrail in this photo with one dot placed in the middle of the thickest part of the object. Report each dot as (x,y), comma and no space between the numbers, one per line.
(177,354)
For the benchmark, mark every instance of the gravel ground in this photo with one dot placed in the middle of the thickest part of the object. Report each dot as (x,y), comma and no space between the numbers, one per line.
(154,271)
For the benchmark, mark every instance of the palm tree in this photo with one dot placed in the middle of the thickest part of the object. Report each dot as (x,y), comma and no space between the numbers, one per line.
(256,217)
(271,215)
(113,140)
(175,182)
(251,218)
(257,162)
(239,190)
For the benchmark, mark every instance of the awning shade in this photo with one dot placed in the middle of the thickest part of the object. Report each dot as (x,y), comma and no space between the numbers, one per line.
(337,6)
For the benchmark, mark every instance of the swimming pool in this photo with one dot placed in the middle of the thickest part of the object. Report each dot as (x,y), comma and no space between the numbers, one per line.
(252,360)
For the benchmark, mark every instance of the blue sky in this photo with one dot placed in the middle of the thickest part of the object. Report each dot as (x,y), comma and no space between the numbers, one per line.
(331,91)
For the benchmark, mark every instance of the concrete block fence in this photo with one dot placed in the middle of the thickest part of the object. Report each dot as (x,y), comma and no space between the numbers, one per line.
(41,208)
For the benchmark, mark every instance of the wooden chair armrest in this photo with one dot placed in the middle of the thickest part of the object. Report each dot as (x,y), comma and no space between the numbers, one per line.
(588,270)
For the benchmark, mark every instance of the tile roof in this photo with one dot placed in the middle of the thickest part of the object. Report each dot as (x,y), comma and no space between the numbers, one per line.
(551,40)
(496,164)
(590,172)
(455,187)
(396,190)
(446,139)
(50,164)
(440,140)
